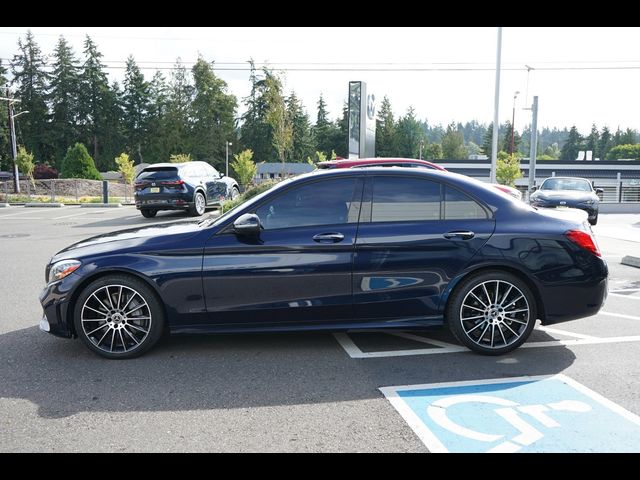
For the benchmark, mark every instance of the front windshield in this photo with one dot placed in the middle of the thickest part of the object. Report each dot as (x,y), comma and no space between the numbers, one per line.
(566,184)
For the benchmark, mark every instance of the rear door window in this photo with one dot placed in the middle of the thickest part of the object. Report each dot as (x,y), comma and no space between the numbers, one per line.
(405,199)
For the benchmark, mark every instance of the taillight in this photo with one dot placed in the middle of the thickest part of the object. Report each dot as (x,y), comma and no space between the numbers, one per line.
(583,240)
(139,185)
(172,184)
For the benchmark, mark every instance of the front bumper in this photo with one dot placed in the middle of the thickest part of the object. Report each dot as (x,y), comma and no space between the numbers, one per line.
(54,299)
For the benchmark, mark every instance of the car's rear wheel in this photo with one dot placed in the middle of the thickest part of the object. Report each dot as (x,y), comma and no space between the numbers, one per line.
(199,205)
(492,312)
(235,193)
(118,316)
(148,213)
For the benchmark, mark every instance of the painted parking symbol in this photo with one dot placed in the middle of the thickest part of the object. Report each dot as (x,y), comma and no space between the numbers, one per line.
(524,414)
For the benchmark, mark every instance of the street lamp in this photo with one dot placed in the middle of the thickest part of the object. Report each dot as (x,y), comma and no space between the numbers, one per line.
(513,119)
(226,172)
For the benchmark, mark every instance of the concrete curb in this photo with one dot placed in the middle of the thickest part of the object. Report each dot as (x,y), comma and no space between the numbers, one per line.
(631,261)
(4,205)
(100,205)
(49,205)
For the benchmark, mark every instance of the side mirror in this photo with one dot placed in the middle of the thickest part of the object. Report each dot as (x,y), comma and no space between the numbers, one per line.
(221,175)
(247,224)
(599,191)
(534,188)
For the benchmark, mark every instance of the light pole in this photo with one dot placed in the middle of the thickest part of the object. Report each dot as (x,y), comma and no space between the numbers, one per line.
(421,147)
(226,172)
(513,119)
(12,130)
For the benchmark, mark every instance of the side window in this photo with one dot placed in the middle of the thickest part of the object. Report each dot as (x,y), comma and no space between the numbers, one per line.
(405,199)
(326,202)
(459,206)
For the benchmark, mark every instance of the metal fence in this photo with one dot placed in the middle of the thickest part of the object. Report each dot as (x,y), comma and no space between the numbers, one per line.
(64,191)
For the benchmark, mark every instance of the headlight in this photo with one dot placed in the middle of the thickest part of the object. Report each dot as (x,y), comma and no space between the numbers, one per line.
(62,268)
(589,202)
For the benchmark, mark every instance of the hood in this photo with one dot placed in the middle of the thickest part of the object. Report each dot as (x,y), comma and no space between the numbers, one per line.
(564,194)
(132,238)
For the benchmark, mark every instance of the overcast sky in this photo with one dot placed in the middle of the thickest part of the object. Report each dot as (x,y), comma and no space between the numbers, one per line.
(576,96)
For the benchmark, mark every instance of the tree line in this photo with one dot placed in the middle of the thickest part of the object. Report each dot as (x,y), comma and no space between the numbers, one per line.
(70,100)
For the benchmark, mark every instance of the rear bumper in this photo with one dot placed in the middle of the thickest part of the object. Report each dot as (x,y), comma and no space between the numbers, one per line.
(570,302)
(177,201)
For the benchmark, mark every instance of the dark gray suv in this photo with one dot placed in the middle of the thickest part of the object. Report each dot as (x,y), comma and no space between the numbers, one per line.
(569,192)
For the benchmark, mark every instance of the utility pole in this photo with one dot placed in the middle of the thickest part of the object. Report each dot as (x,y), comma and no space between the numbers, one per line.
(534,144)
(496,126)
(12,132)
(421,147)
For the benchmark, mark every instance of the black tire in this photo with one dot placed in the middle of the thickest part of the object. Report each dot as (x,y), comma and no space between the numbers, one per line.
(198,207)
(114,334)
(500,326)
(148,213)
(594,221)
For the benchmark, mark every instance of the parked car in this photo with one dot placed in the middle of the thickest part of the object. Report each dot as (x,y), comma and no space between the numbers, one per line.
(191,186)
(330,250)
(514,192)
(403,162)
(568,192)
(385,162)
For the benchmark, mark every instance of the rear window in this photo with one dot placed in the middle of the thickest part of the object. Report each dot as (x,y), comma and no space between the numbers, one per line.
(159,173)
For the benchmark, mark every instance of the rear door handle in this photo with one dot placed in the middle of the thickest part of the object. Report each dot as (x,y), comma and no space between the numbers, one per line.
(328,237)
(464,235)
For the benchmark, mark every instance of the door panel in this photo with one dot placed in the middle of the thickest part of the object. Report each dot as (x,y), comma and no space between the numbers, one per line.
(298,269)
(401,267)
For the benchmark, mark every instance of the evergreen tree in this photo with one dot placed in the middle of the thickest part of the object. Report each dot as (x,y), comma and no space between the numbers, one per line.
(29,74)
(409,136)
(432,152)
(324,131)
(572,146)
(628,137)
(255,133)
(506,142)
(487,141)
(156,146)
(453,144)
(95,101)
(213,115)
(136,108)
(176,123)
(277,118)
(78,163)
(341,134)
(591,142)
(385,130)
(65,86)
(604,144)
(303,144)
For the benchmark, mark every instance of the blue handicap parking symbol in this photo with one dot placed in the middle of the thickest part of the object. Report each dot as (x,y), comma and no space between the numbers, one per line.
(525,414)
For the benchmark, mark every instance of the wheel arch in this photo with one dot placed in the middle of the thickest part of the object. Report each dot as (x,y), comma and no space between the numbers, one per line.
(96,275)
(453,285)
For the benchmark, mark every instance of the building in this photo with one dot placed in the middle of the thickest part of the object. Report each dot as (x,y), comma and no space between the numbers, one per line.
(274,171)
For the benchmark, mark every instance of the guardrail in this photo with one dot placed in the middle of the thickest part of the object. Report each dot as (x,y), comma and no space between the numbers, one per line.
(67,190)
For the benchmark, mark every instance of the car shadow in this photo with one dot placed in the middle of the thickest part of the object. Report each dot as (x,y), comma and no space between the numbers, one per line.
(63,378)
(136,219)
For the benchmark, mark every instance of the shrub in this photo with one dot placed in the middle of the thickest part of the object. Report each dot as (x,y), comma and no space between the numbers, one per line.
(125,167)
(508,169)
(180,158)
(78,163)
(24,160)
(42,172)
(245,167)
(624,151)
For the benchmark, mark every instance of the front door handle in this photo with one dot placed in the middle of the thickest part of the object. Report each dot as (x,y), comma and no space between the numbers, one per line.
(464,235)
(328,237)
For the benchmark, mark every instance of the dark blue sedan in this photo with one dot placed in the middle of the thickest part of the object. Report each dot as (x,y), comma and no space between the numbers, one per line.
(340,249)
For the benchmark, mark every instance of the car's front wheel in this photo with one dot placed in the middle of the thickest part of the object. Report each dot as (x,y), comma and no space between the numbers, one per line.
(118,316)
(492,312)
(594,220)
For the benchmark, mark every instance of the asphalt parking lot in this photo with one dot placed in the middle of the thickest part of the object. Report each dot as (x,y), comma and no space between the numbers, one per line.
(275,392)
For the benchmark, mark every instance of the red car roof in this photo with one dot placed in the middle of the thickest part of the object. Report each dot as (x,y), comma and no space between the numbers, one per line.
(360,162)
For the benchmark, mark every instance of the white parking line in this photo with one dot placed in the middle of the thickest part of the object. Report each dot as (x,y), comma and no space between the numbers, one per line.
(624,296)
(563,332)
(630,317)
(69,216)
